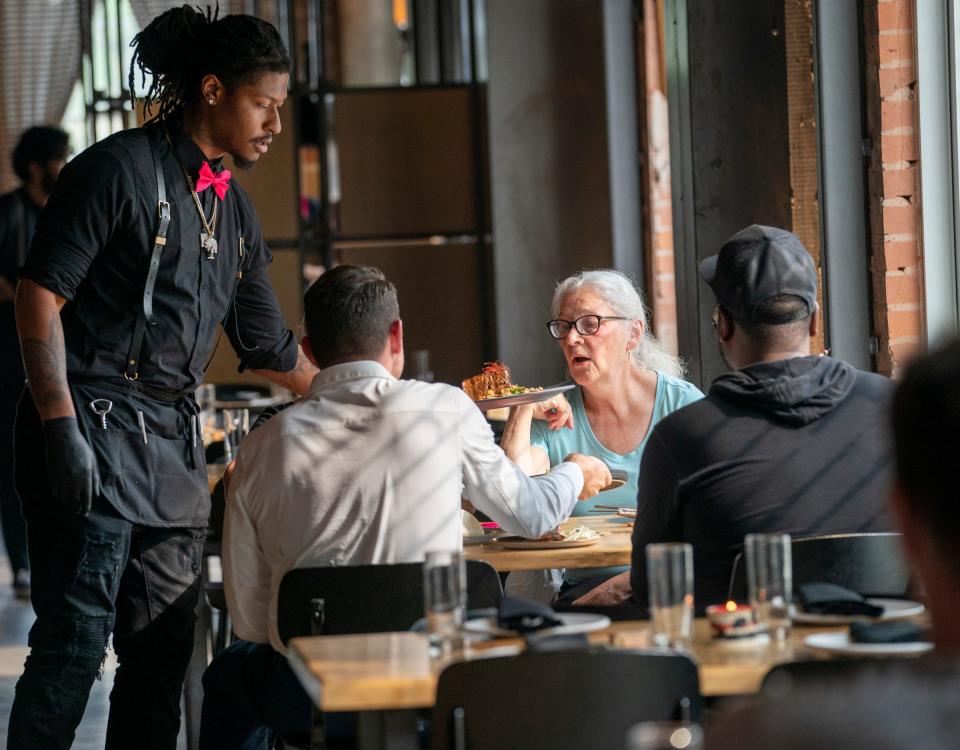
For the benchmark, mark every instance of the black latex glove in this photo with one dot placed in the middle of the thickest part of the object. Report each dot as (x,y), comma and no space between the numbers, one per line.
(74,478)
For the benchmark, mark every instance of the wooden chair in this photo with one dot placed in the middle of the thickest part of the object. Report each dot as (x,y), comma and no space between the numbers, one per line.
(870,564)
(553,700)
(367,598)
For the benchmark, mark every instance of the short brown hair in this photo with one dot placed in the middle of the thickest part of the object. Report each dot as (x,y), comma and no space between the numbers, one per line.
(348,312)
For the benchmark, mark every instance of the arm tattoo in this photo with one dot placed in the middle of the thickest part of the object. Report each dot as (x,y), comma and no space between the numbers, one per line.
(298,379)
(46,364)
(303,365)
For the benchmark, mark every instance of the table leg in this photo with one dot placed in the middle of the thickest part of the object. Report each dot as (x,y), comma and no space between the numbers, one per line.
(387,730)
(192,685)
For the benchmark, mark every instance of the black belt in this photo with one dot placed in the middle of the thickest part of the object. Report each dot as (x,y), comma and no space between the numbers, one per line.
(167,395)
(131,372)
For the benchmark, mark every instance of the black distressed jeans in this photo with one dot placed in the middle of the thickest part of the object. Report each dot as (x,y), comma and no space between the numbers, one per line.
(92,577)
(14,529)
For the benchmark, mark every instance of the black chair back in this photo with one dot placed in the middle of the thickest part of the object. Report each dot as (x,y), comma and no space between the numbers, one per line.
(367,598)
(870,564)
(552,700)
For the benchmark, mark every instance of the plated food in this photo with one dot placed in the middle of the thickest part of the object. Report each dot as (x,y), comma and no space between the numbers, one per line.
(578,532)
(494,382)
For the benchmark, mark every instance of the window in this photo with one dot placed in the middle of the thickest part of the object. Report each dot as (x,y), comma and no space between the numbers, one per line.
(100,102)
(937,61)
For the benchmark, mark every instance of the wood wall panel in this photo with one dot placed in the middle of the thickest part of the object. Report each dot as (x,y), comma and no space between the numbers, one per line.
(440,303)
(406,164)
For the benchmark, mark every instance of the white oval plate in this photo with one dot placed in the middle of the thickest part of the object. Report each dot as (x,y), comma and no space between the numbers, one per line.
(518,542)
(840,643)
(499,402)
(893,609)
(469,541)
(573,622)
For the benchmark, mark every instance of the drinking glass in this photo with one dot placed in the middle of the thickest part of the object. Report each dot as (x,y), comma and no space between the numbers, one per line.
(236,425)
(445,599)
(226,419)
(665,735)
(420,365)
(770,580)
(670,584)
(206,396)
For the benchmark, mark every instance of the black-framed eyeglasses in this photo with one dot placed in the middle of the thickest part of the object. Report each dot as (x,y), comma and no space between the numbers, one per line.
(586,325)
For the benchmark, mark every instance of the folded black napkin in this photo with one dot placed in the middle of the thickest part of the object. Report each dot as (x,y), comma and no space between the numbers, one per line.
(525,616)
(892,631)
(829,599)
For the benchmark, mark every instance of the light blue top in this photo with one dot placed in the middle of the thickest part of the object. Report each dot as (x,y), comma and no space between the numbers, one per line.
(672,394)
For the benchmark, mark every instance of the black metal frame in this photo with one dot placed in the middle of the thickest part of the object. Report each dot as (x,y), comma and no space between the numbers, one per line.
(311,87)
(98,99)
(321,237)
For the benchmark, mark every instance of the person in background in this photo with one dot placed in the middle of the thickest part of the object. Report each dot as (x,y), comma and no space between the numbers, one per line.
(38,158)
(786,442)
(894,703)
(365,469)
(926,434)
(625,384)
(144,249)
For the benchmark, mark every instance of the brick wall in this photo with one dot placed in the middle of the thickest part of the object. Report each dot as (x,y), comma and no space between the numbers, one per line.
(893,191)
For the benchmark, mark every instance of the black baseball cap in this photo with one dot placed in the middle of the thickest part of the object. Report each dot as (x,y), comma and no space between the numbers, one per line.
(759,263)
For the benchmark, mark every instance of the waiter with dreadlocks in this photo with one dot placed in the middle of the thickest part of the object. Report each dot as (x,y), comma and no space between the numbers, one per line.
(145,246)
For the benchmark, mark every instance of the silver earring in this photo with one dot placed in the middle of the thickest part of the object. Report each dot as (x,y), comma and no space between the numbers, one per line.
(211,101)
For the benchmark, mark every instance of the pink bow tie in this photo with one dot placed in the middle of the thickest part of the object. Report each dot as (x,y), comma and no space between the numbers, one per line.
(220,182)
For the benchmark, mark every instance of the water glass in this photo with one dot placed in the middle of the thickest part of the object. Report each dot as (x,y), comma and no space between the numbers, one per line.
(236,425)
(206,396)
(420,365)
(770,580)
(670,584)
(665,735)
(445,599)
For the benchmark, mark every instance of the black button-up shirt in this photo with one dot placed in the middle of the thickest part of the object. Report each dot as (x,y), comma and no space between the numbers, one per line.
(93,244)
(18,217)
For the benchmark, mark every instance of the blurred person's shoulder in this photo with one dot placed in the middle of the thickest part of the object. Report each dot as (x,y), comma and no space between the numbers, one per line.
(883,705)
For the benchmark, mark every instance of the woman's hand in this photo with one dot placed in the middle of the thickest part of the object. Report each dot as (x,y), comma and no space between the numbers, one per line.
(556,412)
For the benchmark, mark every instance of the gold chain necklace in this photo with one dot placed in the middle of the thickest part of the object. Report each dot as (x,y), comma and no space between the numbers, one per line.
(207,241)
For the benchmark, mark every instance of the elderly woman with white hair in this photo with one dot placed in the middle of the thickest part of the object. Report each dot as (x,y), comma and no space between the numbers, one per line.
(625,383)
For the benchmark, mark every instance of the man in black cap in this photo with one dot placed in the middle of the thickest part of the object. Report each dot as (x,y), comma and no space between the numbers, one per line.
(787,442)
(885,704)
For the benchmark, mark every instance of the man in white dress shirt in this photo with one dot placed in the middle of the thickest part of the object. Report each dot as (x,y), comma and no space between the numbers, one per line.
(365,469)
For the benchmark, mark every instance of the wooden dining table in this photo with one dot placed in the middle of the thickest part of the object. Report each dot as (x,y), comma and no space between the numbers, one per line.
(390,671)
(612,548)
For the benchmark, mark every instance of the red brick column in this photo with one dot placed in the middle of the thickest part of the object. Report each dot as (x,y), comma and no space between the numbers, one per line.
(661,282)
(896,266)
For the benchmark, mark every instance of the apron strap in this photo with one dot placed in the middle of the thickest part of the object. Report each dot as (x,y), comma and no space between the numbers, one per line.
(145,315)
(21,220)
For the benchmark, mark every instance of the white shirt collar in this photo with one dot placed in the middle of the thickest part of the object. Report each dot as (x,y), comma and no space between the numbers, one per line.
(348,371)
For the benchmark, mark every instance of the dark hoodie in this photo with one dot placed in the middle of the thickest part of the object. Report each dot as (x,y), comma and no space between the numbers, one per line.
(800,446)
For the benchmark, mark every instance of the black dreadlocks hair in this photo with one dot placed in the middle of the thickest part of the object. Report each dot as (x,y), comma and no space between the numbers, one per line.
(181,46)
